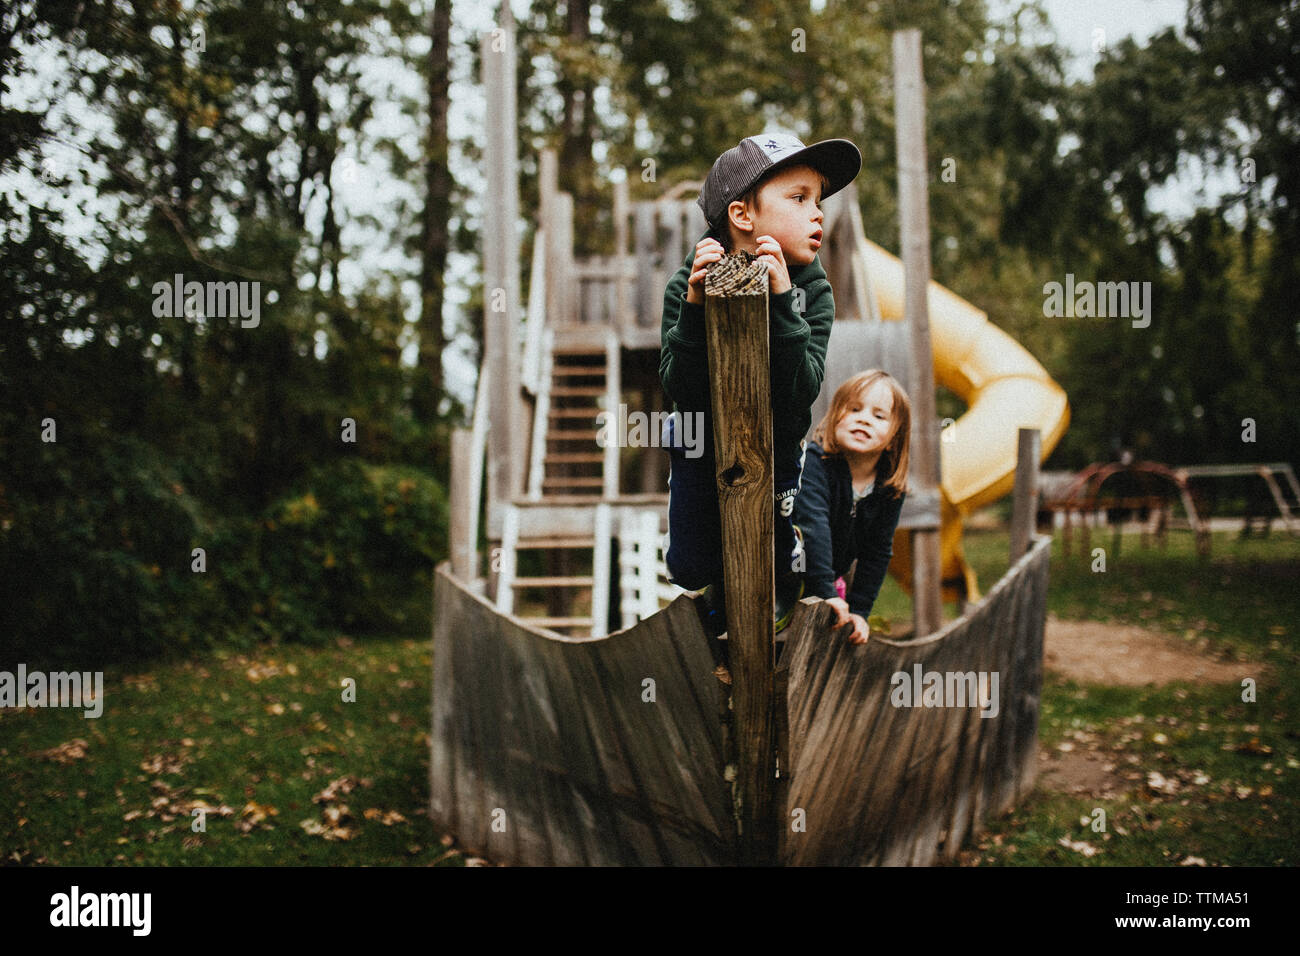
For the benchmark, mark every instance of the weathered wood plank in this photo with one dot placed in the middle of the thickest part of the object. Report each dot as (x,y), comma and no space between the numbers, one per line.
(649,288)
(675,804)
(914,225)
(443,750)
(591,815)
(568,819)
(934,793)
(523,782)
(588,772)
(929,768)
(698,720)
(501,263)
(736,326)
(1024,509)
(471,820)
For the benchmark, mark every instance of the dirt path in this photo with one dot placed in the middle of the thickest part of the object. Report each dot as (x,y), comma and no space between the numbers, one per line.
(1119,655)
(1131,656)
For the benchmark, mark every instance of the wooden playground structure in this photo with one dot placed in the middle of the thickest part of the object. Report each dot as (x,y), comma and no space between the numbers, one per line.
(581,713)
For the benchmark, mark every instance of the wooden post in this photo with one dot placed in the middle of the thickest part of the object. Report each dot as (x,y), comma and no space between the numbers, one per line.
(650,276)
(568,302)
(464,559)
(736,323)
(501,270)
(477,449)
(914,213)
(613,396)
(623,319)
(1024,508)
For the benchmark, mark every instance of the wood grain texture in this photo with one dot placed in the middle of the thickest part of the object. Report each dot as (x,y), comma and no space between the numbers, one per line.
(1024,506)
(555,732)
(914,226)
(736,327)
(887,785)
(464,559)
(501,264)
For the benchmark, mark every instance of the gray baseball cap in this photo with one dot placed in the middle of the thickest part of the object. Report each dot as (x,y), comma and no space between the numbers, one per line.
(737,170)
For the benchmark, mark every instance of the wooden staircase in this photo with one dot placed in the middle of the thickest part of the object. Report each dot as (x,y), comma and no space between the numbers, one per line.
(578,382)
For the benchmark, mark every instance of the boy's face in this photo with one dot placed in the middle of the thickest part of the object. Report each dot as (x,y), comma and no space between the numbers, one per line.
(788,210)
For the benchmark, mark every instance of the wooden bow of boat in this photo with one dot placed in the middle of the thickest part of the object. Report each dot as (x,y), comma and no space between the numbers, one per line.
(606,751)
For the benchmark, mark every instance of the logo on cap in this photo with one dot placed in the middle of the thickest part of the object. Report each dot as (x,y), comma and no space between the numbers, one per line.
(776,145)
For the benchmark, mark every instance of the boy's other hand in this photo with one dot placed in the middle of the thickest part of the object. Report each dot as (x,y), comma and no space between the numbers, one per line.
(707,252)
(778,274)
(861,630)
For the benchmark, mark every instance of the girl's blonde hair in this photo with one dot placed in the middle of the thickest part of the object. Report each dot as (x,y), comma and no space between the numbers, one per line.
(893,459)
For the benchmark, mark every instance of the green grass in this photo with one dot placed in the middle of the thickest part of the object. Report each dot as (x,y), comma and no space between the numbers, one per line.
(260,735)
(1229,786)
(268,730)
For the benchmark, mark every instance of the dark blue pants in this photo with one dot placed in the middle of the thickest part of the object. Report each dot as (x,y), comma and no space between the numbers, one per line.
(694,555)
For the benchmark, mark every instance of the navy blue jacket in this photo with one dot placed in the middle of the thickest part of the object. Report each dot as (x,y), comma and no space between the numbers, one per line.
(835,532)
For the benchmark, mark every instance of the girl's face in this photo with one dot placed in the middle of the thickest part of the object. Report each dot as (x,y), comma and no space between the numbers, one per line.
(867,425)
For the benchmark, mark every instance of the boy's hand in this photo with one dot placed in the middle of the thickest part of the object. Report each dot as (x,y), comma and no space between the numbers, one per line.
(778,275)
(861,630)
(707,252)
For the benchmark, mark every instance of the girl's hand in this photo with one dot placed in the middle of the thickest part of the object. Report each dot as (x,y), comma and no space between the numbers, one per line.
(778,274)
(707,252)
(861,630)
(841,609)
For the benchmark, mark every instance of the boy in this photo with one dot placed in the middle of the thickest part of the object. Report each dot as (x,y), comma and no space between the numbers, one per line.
(762,197)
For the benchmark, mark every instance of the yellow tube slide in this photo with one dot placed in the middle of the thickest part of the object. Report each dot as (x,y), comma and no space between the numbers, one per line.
(1004,388)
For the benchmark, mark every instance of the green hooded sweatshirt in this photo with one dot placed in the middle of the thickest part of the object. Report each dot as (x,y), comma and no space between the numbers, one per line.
(796,344)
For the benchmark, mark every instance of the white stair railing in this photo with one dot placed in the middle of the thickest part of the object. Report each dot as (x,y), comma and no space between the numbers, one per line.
(600,555)
(638,566)
(509,553)
(541,418)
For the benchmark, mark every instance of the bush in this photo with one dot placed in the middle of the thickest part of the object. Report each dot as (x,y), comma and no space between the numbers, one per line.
(353,549)
(95,553)
(96,557)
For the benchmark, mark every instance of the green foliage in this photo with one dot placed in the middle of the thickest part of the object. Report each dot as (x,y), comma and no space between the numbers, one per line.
(353,551)
(222,163)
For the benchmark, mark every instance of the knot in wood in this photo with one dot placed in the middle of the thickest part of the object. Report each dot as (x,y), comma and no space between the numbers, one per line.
(735,275)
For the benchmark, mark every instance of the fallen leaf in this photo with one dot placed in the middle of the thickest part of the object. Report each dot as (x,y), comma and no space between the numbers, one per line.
(65,753)
(1087,849)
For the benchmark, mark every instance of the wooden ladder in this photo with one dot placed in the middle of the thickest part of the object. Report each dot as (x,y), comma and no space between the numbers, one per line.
(566,457)
(597,581)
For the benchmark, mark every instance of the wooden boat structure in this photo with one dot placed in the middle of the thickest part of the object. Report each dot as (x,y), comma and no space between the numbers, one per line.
(610,728)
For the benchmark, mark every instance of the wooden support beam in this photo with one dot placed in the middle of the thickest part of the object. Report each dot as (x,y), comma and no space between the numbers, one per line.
(914,215)
(613,396)
(565,302)
(600,558)
(501,269)
(650,272)
(477,452)
(623,317)
(736,322)
(464,559)
(1024,509)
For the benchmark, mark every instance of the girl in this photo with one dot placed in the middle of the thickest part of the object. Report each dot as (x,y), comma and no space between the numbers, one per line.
(854,482)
